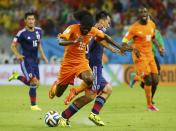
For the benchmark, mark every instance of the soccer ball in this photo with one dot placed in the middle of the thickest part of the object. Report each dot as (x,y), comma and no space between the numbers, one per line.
(52,118)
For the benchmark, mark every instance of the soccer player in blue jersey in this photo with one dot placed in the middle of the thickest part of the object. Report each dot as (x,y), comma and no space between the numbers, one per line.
(29,39)
(101,89)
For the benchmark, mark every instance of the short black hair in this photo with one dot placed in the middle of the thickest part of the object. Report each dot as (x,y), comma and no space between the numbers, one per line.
(29,14)
(84,17)
(141,8)
(101,15)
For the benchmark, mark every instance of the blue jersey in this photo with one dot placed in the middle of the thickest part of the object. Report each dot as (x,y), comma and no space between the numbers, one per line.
(29,42)
(95,53)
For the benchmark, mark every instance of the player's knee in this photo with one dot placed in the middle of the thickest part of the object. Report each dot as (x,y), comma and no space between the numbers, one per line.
(90,95)
(108,89)
(88,80)
(34,82)
(155,80)
(148,80)
(59,93)
(90,98)
(60,90)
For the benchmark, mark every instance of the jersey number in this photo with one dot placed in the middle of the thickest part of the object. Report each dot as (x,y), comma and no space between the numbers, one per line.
(34,43)
(82,46)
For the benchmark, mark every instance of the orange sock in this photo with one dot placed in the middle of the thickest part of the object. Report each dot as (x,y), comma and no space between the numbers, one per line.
(148,94)
(81,88)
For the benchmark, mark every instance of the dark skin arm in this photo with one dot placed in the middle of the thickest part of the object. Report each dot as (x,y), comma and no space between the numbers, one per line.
(127,47)
(159,47)
(64,42)
(112,42)
(107,45)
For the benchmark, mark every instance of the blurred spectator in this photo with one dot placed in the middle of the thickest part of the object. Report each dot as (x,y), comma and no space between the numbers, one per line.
(4,56)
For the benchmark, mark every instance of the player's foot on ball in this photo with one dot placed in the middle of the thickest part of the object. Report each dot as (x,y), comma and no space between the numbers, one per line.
(64,122)
(132,81)
(70,97)
(96,119)
(52,90)
(35,108)
(152,108)
(14,76)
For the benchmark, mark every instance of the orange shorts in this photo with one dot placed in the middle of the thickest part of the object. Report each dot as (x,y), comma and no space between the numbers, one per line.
(68,72)
(145,64)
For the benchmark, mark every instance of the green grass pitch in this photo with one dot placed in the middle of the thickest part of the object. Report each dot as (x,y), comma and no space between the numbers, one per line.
(124,111)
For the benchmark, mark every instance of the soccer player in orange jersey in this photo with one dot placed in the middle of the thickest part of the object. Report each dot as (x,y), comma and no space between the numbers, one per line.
(142,32)
(75,64)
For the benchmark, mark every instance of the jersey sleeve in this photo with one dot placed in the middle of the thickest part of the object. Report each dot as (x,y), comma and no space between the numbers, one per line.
(18,38)
(154,28)
(67,33)
(159,38)
(129,35)
(98,34)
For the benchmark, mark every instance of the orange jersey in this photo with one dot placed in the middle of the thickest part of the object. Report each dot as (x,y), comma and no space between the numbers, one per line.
(75,53)
(141,35)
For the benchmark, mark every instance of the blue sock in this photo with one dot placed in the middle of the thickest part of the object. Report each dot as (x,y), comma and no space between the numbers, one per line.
(32,95)
(99,102)
(70,111)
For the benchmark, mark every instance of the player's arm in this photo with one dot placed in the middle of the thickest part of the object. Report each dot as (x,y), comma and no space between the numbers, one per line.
(15,51)
(42,53)
(126,39)
(65,42)
(108,46)
(64,38)
(112,42)
(160,47)
(159,39)
(100,36)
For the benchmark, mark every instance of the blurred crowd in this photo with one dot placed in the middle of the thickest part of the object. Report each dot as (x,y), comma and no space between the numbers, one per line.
(54,15)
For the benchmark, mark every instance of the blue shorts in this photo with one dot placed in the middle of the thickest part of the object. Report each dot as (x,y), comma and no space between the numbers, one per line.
(30,69)
(99,81)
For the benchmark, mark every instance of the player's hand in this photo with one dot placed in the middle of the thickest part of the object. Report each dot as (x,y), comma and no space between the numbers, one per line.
(117,51)
(137,53)
(161,51)
(20,57)
(80,38)
(126,47)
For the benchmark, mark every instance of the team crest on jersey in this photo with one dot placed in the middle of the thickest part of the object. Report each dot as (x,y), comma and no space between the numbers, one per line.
(28,37)
(37,35)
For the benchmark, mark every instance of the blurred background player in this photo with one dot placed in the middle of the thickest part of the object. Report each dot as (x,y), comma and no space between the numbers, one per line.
(100,85)
(134,77)
(143,32)
(29,38)
(76,38)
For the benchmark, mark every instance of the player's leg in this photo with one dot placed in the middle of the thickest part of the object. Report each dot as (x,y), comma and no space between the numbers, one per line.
(147,88)
(34,84)
(78,104)
(155,78)
(134,77)
(143,69)
(57,89)
(66,76)
(87,78)
(105,92)
(75,91)
(16,76)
